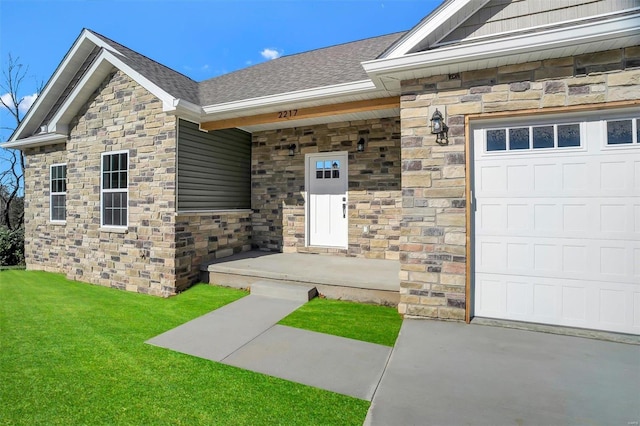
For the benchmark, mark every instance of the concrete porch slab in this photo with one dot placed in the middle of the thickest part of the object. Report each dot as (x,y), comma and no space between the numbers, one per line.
(347,278)
(300,293)
(341,365)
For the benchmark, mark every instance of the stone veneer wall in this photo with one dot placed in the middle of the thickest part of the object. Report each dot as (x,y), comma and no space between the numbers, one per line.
(202,237)
(122,115)
(46,245)
(374,186)
(433,252)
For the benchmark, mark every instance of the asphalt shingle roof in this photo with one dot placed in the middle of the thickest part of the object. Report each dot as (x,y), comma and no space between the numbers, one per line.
(317,68)
(176,84)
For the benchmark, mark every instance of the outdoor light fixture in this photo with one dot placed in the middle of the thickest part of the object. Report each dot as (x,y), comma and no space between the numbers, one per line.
(292,150)
(360,146)
(439,128)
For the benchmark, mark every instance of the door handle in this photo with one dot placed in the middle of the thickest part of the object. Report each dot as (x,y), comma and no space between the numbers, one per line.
(344,210)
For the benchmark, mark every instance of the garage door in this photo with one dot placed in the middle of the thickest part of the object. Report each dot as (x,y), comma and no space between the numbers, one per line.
(557,221)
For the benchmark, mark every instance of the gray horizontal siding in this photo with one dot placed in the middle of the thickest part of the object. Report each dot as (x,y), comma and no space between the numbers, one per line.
(214,169)
(499,16)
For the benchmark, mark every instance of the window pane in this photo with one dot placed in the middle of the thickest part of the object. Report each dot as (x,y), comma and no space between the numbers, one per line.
(336,164)
(114,181)
(543,137)
(105,163)
(519,138)
(327,164)
(123,180)
(319,174)
(327,174)
(114,163)
(319,165)
(496,140)
(568,135)
(106,183)
(619,132)
(54,173)
(63,172)
(335,174)
(123,161)
(107,216)
(108,200)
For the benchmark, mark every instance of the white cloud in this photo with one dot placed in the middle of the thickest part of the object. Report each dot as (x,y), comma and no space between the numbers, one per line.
(26,103)
(269,53)
(6,100)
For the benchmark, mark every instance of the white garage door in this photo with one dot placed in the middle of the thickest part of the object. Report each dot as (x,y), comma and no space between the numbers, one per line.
(557,221)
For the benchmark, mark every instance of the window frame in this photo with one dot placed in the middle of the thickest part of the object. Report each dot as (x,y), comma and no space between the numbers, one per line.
(635,132)
(52,193)
(530,128)
(111,190)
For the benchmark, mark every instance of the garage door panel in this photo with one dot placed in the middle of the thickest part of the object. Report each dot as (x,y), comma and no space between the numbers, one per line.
(559,257)
(562,302)
(557,233)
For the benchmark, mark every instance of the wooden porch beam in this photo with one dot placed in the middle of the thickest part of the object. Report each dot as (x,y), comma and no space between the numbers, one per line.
(304,113)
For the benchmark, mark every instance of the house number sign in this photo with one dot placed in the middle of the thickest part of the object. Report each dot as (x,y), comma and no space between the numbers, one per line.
(287,114)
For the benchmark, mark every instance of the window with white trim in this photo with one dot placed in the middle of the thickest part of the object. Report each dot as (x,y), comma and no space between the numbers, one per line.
(547,136)
(114,192)
(622,132)
(58,191)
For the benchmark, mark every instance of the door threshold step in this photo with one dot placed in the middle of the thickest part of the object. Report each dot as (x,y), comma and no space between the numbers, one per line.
(297,292)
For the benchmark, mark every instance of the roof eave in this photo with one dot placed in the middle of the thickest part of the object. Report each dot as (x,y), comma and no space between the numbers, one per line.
(35,141)
(551,43)
(325,94)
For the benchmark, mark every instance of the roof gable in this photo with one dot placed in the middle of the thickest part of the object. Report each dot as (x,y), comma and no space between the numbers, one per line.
(91,58)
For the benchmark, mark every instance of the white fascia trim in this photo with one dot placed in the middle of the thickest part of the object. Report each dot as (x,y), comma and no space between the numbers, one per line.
(35,141)
(435,20)
(297,96)
(108,57)
(62,69)
(187,110)
(558,38)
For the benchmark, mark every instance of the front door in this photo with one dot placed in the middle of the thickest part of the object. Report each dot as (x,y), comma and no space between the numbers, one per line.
(327,199)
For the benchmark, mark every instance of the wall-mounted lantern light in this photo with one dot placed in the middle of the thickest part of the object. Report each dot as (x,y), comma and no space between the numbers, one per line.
(360,145)
(439,128)
(292,150)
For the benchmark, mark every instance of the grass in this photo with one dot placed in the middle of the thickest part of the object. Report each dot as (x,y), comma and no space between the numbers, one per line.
(72,353)
(370,323)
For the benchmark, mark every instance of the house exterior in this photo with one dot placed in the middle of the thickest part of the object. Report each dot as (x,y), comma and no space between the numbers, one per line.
(527,209)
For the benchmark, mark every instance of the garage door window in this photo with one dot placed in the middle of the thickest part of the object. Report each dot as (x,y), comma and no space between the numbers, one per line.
(533,137)
(620,132)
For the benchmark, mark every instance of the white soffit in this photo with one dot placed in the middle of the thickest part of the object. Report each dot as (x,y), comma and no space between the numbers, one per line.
(612,33)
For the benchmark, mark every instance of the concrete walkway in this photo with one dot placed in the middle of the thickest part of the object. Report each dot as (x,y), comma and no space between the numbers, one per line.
(244,334)
(439,373)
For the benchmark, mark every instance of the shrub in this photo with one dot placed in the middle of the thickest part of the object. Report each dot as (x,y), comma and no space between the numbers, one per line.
(11,247)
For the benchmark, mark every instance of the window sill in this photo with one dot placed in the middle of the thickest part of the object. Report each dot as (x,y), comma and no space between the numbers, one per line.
(114,230)
(58,222)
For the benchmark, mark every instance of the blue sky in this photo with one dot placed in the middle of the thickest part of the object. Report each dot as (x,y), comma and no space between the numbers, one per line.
(199,38)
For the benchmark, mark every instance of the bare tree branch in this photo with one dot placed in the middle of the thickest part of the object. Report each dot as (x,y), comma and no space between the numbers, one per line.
(12,179)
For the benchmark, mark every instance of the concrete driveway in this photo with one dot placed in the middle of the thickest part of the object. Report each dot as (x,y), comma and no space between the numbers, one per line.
(443,373)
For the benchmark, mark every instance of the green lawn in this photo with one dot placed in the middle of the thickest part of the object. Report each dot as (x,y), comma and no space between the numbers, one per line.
(370,323)
(72,353)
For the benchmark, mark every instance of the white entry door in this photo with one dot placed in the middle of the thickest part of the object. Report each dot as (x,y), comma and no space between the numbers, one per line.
(557,221)
(327,199)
